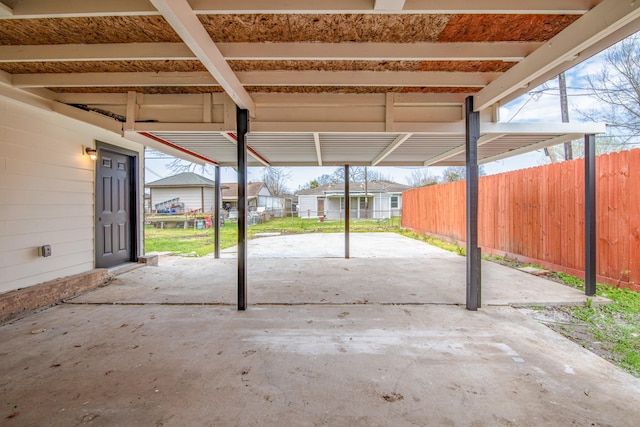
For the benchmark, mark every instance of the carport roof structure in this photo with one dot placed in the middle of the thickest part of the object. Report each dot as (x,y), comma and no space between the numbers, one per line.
(361,82)
(337,82)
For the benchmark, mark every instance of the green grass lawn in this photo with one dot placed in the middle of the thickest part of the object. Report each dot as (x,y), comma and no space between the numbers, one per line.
(188,241)
(201,242)
(616,325)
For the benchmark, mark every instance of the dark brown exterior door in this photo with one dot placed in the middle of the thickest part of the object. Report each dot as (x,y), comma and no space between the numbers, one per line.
(113,208)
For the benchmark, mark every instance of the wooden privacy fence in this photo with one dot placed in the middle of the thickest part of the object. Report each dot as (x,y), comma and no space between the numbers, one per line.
(537,215)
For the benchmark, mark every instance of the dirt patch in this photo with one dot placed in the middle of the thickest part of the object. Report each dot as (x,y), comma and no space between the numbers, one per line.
(560,319)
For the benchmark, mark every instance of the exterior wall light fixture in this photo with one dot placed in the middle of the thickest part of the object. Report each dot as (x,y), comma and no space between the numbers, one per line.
(91,152)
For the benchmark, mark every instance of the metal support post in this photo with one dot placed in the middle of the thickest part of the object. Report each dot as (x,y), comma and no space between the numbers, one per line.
(242,122)
(590,215)
(473,252)
(216,214)
(347,211)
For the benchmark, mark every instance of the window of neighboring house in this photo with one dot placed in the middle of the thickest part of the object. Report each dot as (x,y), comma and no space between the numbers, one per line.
(394,202)
(363,203)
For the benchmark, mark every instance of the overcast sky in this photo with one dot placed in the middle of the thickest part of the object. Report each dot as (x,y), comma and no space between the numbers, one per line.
(535,106)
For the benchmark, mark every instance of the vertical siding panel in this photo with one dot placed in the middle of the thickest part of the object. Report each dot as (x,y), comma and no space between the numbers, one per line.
(602,203)
(634,217)
(580,182)
(544,219)
(564,230)
(526,209)
(559,212)
(601,209)
(622,171)
(503,216)
(535,214)
(573,228)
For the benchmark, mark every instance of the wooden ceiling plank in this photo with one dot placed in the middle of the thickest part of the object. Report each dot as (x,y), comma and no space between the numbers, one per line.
(183,20)
(603,20)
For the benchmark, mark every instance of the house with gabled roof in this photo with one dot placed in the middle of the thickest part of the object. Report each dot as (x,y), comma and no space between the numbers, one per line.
(375,199)
(185,192)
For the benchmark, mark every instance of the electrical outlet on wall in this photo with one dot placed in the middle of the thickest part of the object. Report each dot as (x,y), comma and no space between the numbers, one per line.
(45,251)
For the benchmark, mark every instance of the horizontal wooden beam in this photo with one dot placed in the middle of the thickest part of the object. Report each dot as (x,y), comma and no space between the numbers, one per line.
(466,51)
(259,78)
(64,8)
(199,78)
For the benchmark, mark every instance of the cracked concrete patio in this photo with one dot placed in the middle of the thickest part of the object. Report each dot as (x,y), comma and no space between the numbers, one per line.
(379,339)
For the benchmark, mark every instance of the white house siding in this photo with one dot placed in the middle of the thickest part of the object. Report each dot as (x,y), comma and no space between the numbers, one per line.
(333,209)
(47,194)
(209,199)
(308,206)
(190,196)
(382,207)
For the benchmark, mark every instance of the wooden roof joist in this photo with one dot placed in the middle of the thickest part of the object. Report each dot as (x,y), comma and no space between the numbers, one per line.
(64,8)
(258,78)
(430,51)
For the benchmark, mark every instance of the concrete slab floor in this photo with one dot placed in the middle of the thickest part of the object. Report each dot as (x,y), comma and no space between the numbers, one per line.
(366,341)
(367,365)
(385,268)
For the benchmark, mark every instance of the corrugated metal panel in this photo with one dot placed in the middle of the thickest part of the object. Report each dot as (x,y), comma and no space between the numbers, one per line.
(284,147)
(209,144)
(424,147)
(353,148)
(505,144)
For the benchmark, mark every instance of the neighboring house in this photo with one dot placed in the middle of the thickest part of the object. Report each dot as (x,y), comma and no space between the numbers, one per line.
(259,198)
(186,192)
(382,199)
